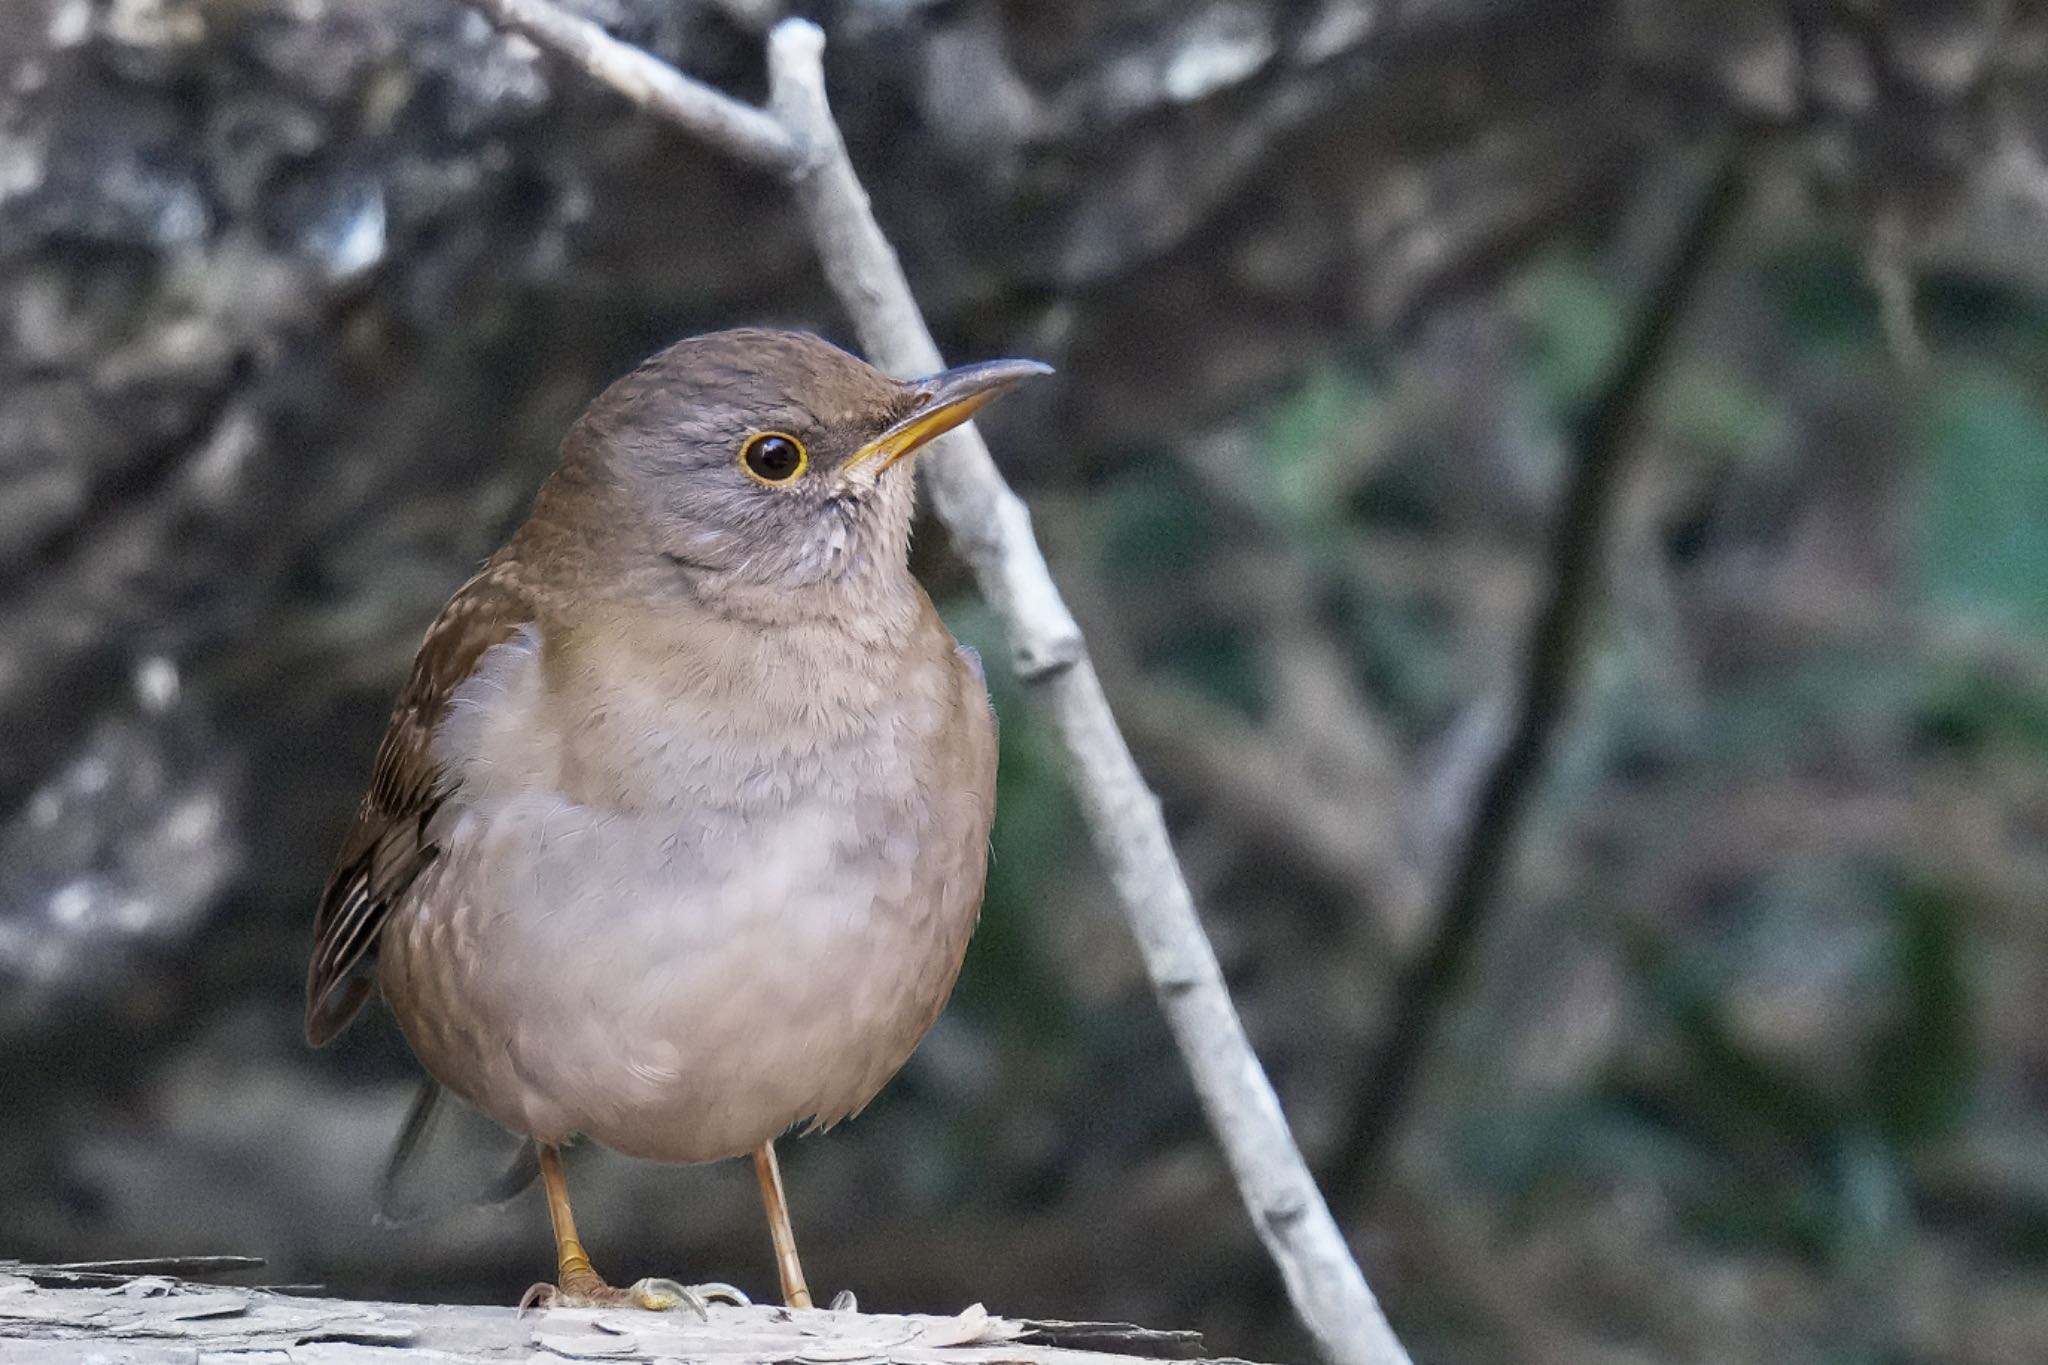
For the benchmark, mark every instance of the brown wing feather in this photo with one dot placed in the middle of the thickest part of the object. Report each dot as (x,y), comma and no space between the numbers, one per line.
(387,846)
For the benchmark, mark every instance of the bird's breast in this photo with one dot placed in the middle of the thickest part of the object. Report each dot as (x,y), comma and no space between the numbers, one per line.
(680,917)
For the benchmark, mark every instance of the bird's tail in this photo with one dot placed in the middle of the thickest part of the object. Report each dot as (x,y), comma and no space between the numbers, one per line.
(434,1163)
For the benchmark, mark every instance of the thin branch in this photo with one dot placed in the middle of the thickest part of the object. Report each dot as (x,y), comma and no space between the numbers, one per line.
(1257,782)
(1888,262)
(991,529)
(732,125)
(988,522)
(1604,437)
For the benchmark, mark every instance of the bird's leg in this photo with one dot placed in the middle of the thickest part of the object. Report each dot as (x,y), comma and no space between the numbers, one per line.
(795,1292)
(577,1283)
(574,1275)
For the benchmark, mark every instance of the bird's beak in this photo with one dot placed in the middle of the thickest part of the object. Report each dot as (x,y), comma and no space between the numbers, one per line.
(944,401)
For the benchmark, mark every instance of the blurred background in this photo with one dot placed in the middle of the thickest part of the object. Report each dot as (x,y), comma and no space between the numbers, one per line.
(1558,491)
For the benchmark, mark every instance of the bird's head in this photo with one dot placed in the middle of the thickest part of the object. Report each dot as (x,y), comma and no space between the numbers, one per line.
(753,461)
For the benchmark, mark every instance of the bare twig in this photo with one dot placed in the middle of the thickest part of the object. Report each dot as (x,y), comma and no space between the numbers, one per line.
(1259,778)
(1888,262)
(1604,436)
(732,125)
(991,529)
(987,521)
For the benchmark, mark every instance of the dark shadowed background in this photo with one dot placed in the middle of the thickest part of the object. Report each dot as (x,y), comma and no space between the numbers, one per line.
(1737,1046)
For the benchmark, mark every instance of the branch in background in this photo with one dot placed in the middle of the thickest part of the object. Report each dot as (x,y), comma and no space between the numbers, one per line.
(1604,436)
(991,529)
(1258,781)
(1888,262)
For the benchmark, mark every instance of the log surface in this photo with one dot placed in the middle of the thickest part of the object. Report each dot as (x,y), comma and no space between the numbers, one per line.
(141,1313)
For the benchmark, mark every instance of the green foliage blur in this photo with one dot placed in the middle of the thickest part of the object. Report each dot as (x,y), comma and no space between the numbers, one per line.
(1747,975)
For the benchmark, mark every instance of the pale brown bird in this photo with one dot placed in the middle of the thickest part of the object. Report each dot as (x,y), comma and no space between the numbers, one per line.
(680,826)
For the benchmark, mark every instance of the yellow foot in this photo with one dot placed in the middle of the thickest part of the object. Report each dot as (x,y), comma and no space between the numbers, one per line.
(654,1295)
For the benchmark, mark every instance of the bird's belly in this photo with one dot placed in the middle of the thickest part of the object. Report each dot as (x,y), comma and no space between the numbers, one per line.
(682,990)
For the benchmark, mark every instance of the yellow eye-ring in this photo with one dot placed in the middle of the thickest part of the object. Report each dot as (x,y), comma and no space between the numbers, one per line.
(773,457)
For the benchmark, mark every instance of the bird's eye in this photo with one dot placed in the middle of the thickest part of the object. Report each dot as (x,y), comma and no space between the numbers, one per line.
(773,458)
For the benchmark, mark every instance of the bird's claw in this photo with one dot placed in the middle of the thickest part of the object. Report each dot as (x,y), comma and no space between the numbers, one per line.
(660,1295)
(654,1295)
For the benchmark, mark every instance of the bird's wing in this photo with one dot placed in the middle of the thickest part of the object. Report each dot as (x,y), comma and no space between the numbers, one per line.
(387,846)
